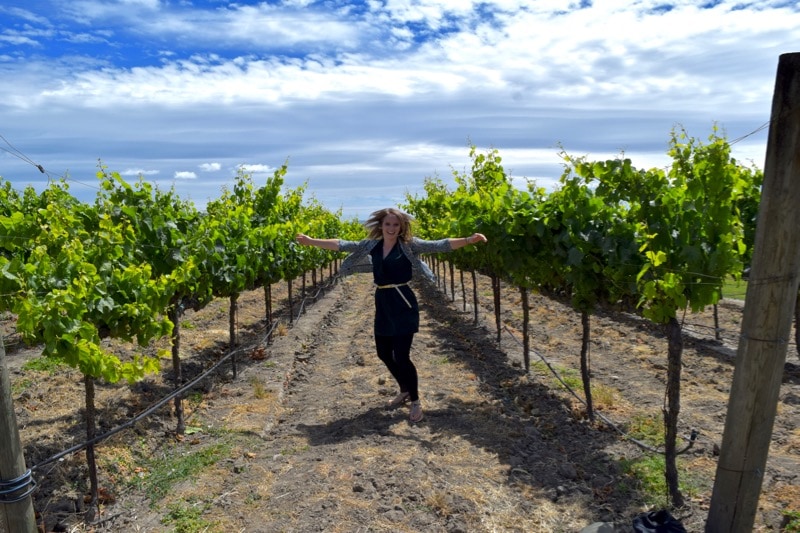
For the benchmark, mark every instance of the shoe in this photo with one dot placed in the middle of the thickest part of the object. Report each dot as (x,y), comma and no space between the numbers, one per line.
(399,400)
(416,412)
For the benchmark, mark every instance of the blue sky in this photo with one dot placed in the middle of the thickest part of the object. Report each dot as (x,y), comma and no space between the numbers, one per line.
(364,100)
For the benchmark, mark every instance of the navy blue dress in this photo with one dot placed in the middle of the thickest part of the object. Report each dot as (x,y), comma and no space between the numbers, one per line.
(393,314)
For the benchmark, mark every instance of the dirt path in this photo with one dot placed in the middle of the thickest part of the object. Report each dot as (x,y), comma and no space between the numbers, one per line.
(304,443)
(337,460)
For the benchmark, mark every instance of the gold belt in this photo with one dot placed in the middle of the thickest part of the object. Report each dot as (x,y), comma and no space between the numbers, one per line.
(396,286)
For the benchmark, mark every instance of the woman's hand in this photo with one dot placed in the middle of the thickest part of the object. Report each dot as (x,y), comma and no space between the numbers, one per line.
(326,244)
(460,242)
(476,238)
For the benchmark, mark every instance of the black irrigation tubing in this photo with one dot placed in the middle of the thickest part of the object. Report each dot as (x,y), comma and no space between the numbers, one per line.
(314,297)
(625,435)
(144,414)
(24,482)
(147,412)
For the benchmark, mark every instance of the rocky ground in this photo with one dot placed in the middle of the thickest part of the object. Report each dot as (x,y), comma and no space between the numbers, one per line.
(300,440)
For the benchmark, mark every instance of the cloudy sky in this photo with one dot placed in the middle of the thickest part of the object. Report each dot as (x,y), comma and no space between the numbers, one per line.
(363,100)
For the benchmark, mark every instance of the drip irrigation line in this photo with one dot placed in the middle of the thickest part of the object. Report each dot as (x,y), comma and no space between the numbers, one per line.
(692,438)
(154,407)
(320,289)
(25,482)
(144,414)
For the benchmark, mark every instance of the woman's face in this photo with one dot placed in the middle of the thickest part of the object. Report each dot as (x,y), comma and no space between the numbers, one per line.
(390,226)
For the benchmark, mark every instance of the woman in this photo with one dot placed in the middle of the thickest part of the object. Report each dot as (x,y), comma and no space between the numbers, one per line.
(392,254)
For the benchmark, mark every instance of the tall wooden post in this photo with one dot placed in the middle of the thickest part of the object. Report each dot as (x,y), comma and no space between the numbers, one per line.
(767,319)
(15,517)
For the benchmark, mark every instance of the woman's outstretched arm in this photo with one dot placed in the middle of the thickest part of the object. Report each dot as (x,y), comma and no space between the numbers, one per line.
(460,242)
(327,244)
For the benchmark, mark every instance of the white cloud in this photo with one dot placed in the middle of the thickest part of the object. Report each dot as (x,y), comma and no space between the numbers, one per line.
(256,168)
(210,167)
(138,172)
(17,39)
(525,53)
(24,14)
(379,95)
(185,175)
(260,26)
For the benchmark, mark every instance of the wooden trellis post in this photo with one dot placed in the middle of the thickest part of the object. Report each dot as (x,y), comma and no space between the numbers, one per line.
(767,318)
(15,481)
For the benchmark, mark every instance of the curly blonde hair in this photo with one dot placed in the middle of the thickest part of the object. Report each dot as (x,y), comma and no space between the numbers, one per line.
(375,221)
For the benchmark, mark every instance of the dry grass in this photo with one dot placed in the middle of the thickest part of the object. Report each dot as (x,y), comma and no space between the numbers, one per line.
(793,444)
(250,415)
(259,391)
(282,329)
(605,397)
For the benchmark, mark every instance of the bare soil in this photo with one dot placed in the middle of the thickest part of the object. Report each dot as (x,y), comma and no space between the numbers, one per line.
(300,440)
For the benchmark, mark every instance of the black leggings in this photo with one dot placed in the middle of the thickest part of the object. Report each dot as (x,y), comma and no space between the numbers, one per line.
(395,352)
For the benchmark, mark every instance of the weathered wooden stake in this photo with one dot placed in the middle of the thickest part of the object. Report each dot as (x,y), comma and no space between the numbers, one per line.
(16,517)
(767,319)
